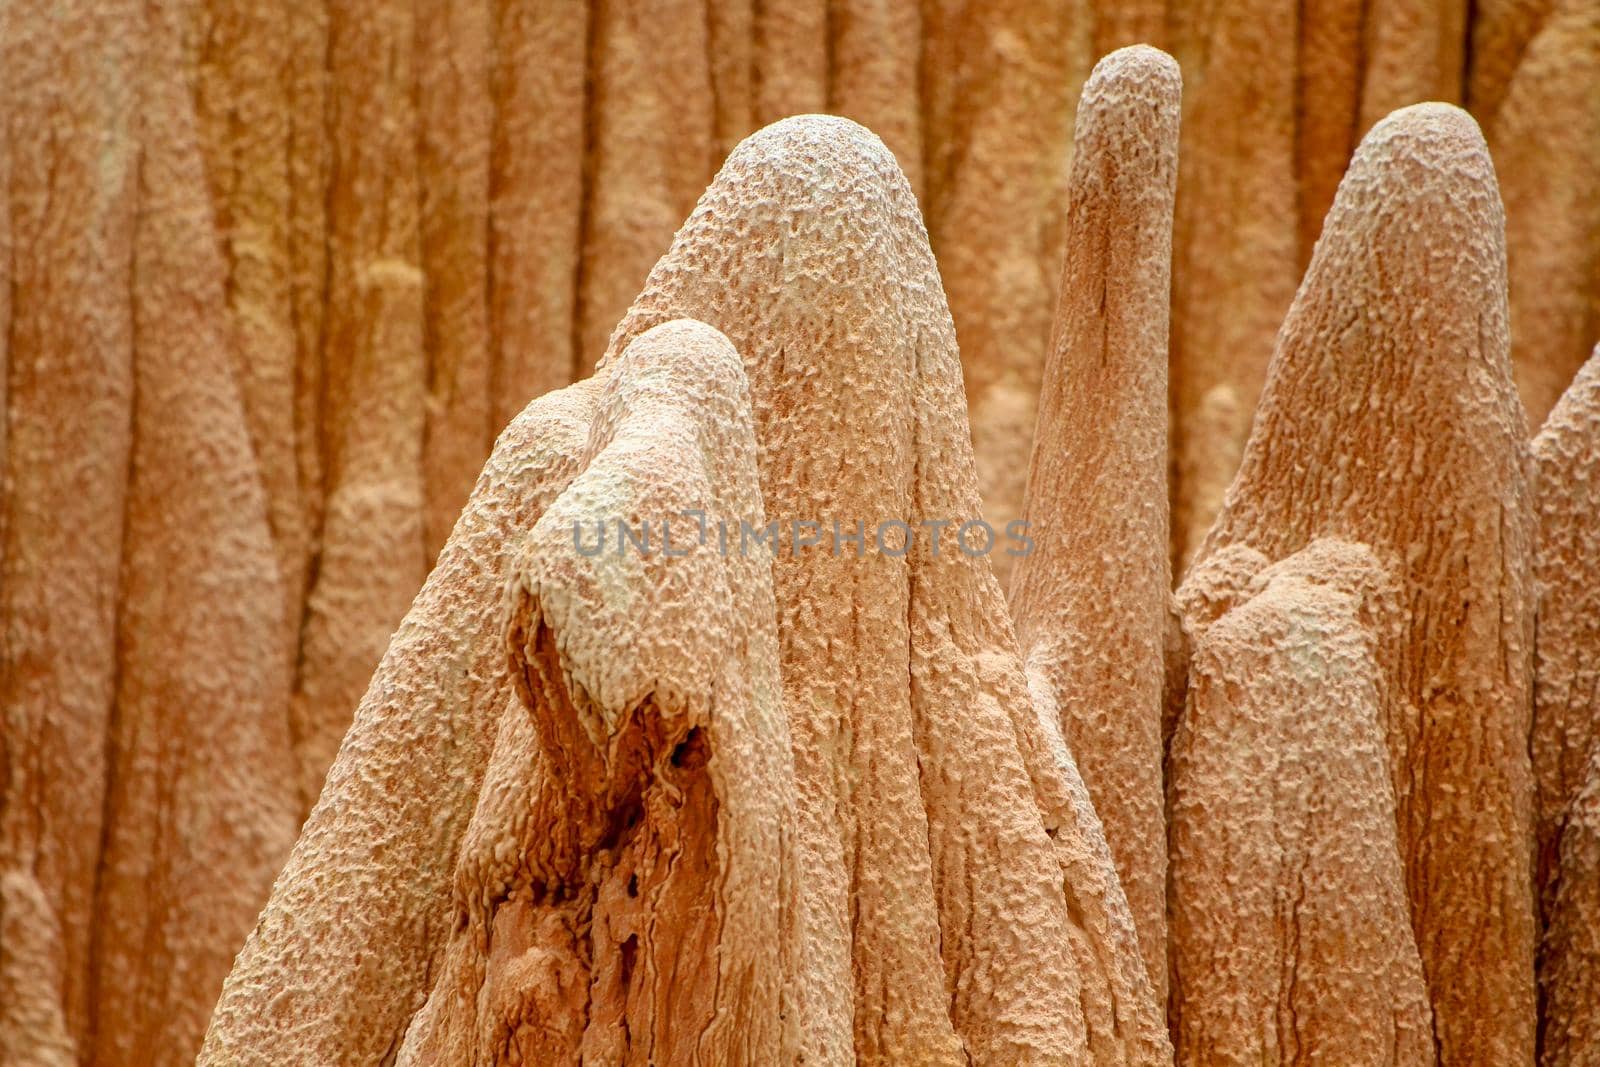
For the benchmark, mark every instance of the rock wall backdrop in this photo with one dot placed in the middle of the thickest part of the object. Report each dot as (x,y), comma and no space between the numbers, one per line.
(275,278)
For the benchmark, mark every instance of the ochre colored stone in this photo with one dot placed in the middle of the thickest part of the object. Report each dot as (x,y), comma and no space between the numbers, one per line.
(1091,599)
(1566,684)
(629,887)
(1389,418)
(908,711)
(343,951)
(201,803)
(1291,935)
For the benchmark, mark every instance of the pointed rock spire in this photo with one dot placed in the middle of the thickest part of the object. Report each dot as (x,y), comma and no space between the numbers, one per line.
(341,955)
(909,715)
(1090,600)
(1389,418)
(638,879)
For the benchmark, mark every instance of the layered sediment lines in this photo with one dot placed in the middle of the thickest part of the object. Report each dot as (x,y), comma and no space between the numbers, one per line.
(1398,338)
(1091,599)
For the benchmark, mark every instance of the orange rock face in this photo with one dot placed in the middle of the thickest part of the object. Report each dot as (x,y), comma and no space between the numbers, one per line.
(1415,448)
(1291,935)
(276,286)
(342,953)
(1566,711)
(1090,601)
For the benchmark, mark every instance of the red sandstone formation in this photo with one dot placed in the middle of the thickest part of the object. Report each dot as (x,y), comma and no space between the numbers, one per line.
(1566,757)
(291,271)
(1566,688)
(201,806)
(998,141)
(898,678)
(375,387)
(341,955)
(1091,600)
(1397,339)
(838,314)
(1291,935)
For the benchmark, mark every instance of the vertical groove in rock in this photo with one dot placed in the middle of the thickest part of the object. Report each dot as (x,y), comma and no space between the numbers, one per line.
(1546,132)
(790,52)
(375,386)
(536,198)
(1566,687)
(1090,601)
(653,125)
(201,805)
(1291,935)
(1398,338)
(998,141)
(639,896)
(875,56)
(68,164)
(909,713)
(341,955)
(455,119)
(1235,237)
(246,143)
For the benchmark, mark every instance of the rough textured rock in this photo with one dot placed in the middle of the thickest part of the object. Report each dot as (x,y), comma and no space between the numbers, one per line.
(1398,340)
(1546,129)
(900,672)
(1291,935)
(201,805)
(67,207)
(1090,601)
(1566,686)
(1267,133)
(1569,966)
(375,382)
(342,953)
(633,872)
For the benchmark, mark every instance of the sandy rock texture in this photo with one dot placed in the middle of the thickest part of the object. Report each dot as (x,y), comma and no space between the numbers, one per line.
(1569,965)
(1566,758)
(343,951)
(1291,935)
(1389,418)
(1566,687)
(937,820)
(631,863)
(275,279)
(1090,601)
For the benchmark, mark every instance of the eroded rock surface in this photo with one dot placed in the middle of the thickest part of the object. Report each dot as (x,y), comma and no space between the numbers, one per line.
(633,871)
(1397,341)
(1566,688)
(1291,933)
(343,951)
(1091,599)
